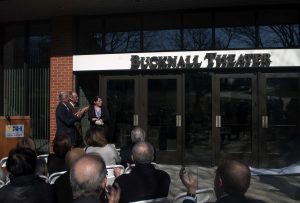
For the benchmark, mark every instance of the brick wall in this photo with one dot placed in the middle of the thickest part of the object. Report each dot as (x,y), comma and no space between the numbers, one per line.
(61,64)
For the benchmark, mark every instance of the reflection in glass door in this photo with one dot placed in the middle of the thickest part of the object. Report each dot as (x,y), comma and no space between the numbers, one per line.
(164,117)
(234,121)
(280,120)
(120,97)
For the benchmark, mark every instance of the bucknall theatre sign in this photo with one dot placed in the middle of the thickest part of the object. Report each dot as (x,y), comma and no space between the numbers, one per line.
(189,60)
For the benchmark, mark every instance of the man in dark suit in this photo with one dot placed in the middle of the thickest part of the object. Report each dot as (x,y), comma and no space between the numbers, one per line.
(231,182)
(62,186)
(73,106)
(88,180)
(137,135)
(144,181)
(65,119)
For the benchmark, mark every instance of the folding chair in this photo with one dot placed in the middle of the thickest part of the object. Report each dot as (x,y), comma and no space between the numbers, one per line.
(53,177)
(3,162)
(202,195)
(157,200)
(45,156)
(110,173)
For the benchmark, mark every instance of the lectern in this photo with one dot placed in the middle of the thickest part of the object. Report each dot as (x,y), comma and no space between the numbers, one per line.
(11,129)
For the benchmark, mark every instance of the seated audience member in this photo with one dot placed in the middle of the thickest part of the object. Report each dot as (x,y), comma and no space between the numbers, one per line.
(62,186)
(137,135)
(41,165)
(24,186)
(97,143)
(231,182)
(88,180)
(56,161)
(144,181)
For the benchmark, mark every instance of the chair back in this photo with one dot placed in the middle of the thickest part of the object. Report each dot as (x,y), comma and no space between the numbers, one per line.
(157,200)
(53,177)
(45,156)
(203,195)
(3,162)
(2,183)
(110,173)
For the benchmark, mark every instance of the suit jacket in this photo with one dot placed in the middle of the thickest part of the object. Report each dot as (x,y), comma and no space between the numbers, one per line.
(86,199)
(62,189)
(142,183)
(231,199)
(65,120)
(125,153)
(92,114)
(75,109)
(26,189)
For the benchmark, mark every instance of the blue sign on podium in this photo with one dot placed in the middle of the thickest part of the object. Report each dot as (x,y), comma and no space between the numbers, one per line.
(12,131)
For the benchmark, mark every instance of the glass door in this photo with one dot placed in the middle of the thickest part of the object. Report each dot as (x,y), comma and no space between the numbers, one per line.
(162,115)
(120,94)
(279,126)
(235,117)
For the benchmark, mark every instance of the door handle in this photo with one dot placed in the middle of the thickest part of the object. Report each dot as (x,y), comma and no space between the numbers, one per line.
(265,122)
(135,119)
(218,121)
(178,120)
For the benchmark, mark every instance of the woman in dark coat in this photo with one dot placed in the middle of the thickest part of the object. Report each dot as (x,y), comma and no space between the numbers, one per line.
(97,114)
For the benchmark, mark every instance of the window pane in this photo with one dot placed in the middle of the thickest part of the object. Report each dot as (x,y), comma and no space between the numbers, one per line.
(235,37)
(122,41)
(162,40)
(197,39)
(279,36)
(90,36)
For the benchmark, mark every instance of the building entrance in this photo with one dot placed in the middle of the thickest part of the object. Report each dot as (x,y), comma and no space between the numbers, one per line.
(151,102)
(202,117)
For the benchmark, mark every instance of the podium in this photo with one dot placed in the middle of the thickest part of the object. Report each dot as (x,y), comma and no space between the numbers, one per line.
(11,129)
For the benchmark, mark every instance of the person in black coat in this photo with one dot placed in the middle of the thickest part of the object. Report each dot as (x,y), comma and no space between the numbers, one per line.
(97,113)
(144,181)
(231,182)
(24,186)
(65,119)
(88,180)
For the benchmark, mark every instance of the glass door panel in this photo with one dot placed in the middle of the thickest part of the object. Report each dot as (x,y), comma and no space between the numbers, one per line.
(280,133)
(198,109)
(235,115)
(164,118)
(120,95)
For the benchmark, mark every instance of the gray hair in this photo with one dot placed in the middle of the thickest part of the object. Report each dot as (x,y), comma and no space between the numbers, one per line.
(138,135)
(143,153)
(62,96)
(84,180)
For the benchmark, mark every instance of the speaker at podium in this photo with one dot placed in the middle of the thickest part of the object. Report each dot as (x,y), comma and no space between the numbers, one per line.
(11,129)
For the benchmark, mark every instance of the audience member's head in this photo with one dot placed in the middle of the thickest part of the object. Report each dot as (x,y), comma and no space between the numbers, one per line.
(21,161)
(26,142)
(232,177)
(63,96)
(142,153)
(61,145)
(88,176)
(73,155)
(95,137)
(138,135)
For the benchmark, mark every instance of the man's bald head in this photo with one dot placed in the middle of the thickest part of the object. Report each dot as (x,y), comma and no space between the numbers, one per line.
(88,175)
(235,177)
(73,155)
(143,153)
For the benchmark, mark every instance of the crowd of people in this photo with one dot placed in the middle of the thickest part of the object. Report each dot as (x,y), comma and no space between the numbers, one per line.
(84,162)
